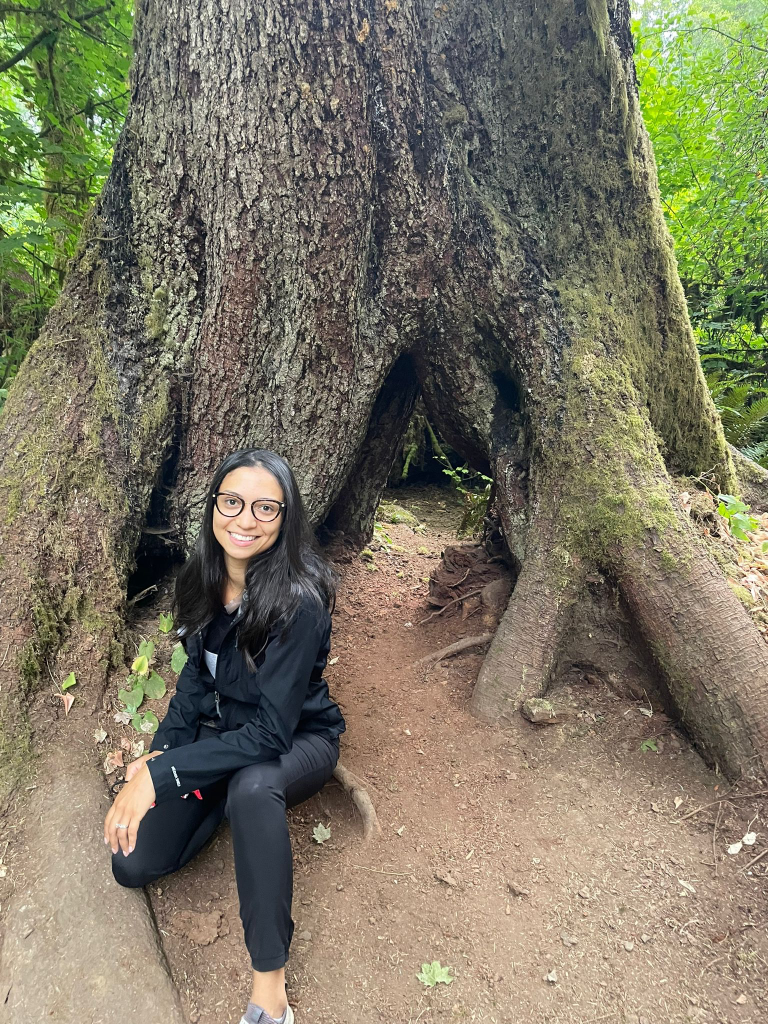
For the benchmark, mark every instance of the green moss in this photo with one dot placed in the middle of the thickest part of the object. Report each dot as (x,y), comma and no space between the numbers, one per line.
(155,319)
(455,115)
(670,563)
(391,512)
(597,12)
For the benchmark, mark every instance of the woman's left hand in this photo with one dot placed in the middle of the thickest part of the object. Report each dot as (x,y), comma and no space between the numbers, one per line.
(131,804)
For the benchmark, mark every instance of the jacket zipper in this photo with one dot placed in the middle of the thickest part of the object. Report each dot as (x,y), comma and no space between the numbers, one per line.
(218,709)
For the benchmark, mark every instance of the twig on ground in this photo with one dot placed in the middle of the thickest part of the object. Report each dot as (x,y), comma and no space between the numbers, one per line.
(470,593)
(457,648)
(714,835)
(756,859)
(360,798)
(731,796)
(381,871)
(141,593)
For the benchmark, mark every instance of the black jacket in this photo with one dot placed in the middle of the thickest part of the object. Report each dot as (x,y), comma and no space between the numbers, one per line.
(257,712)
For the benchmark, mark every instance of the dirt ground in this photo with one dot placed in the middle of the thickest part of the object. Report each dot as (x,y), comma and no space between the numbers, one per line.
(551,868)
(564,874)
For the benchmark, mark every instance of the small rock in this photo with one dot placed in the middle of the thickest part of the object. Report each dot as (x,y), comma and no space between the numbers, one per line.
(585,894)
(568,940)
(305,936)
(507,910)
(339,887)
(645,938)
(741,999)
(371,920)
(551,977)
(629,946)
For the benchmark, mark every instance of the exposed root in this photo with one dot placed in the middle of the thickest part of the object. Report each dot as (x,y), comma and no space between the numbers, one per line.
(525,648)
(456,648)
(714,660)
(362,801)
(753,480)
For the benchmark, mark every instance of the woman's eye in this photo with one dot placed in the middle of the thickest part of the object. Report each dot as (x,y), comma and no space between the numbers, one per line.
(266,508)
(231,502)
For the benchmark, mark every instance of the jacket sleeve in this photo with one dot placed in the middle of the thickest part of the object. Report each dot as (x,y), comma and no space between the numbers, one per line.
(283,680)
(180,723)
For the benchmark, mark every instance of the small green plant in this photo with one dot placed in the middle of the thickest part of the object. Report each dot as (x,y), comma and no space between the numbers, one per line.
(142,682)
(69,681)
(647,745)
(433,973)
(166,622)
(737,515)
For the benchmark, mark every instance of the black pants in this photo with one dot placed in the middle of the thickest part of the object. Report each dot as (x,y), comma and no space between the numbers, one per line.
(254,800)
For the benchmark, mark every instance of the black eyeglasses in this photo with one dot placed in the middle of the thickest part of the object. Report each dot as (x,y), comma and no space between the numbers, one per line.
(263,509)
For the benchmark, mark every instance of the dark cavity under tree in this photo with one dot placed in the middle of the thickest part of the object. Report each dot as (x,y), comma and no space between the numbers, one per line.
(317,209)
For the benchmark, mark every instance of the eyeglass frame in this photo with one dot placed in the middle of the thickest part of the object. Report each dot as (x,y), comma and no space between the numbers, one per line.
(229,494)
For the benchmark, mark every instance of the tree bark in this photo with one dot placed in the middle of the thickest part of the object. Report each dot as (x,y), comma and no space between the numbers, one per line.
(303,195)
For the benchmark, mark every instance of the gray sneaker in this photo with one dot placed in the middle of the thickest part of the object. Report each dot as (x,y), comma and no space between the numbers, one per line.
(264,1018)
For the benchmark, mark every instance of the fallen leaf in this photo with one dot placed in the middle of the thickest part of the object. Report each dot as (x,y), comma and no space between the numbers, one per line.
(113,761)
(123,718)
(68,699)
(320,833)
(678,801)
(333,660)
(99,735)
(749,839)
(734,848)
(686,885)
(125,743)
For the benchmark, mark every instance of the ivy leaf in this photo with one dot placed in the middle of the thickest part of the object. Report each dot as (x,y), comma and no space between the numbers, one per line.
(140,665)
(149,722)
(178,658)
(647,745)
(136,721)
(132,698)
(154,686)
(320,833)
(433,973)
(147,649)
(166,623)
(69,681)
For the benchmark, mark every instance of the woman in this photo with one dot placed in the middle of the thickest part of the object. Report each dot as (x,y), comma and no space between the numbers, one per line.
(251,729)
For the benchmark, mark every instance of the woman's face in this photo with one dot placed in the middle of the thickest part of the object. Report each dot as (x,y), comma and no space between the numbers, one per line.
(243,536)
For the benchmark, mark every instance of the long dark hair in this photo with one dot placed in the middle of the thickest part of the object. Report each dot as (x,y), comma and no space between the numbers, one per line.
(277,580)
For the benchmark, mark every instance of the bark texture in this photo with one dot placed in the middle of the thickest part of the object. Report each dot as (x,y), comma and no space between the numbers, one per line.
(308,201)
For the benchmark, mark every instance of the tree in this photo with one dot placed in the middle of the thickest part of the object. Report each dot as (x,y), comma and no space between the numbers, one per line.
(62,102)
(313,212)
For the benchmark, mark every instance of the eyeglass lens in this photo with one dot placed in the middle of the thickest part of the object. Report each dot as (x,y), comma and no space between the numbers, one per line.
(263,510)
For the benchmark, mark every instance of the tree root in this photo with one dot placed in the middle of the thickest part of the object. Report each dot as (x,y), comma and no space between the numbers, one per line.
(695,624)
(455,648)
(525,647)
(753,480)
(352,785)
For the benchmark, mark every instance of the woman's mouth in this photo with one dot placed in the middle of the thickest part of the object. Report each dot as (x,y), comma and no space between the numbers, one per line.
(241,539)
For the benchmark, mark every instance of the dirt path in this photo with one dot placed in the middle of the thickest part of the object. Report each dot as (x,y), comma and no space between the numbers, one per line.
(546,866)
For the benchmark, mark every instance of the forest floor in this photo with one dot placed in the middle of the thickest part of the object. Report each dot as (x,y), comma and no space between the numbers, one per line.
(563,873)
(553,869)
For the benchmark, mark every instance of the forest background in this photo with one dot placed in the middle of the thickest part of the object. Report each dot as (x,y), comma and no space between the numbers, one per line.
(703,75)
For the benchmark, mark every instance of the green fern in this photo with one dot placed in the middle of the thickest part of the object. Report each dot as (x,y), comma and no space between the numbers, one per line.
(743,407)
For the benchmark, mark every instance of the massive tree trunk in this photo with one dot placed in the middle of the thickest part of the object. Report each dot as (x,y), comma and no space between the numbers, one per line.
(316,208)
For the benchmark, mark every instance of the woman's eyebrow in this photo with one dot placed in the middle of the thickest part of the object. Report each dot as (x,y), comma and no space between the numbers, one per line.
(234,494)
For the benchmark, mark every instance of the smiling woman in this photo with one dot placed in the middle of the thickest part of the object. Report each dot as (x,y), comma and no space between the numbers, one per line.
(251,729)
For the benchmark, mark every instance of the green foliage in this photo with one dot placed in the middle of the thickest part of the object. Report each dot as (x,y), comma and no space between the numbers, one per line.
(433,973)
(647,745)
(703,74)
(166,622)
(69,681)
(737,514)
(742,401)
(63,99)
(178,658)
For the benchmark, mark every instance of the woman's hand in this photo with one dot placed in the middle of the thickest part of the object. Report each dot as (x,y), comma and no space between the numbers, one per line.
(134,766)
(131,804)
